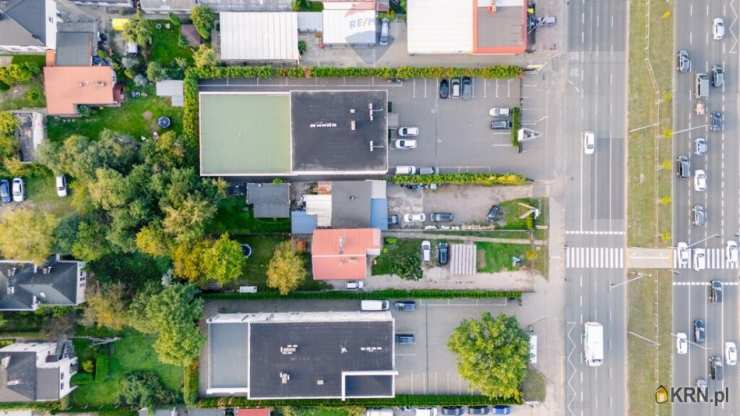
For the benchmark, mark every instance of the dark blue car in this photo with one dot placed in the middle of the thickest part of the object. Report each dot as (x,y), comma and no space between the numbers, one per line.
(5,191)
(501,409)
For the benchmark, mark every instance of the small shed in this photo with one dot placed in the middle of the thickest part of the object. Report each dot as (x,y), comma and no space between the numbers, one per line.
(269,200)
(463,260)
(173,89)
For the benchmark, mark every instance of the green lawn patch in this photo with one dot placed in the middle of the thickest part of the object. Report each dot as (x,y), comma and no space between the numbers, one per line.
(137,117)
(493,257)
(235,217)
(401,257)
(36,60)
(255,267)
(166,45)
(27,95)
(133,352)
(515,211)
(41,191)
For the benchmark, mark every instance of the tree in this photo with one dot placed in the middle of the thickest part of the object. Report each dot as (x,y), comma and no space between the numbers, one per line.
(8,123)
(187,222)
(204,57)
(152,240)
(203,18)
(91,243)
(138,30)
(27,234)
(155,71)
(187,260)
(171,314)
(106,307)
(109,190)
(144,389)
(286,270)
(224,260)
(492,354)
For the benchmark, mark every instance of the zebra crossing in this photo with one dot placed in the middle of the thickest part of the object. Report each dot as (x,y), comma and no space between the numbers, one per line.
(594,258)
(716,258)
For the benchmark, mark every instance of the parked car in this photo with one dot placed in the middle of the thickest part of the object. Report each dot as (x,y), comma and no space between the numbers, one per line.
(715,291)
(700,146)
(467,88)
(684,253)
(718,76)
(428,170)
(19,190)
(5,191)
(405,305)
(444,89)
(453,410)
(501,409)
(731,251)
(384,29)
(479,410)
(715,367)
(715,121)
(700,259)
(426,250)
(405,170)
(355,284)
(443,217)
(730,353)
(589,143)
(699,331)
(684,62)
(500,124)
(405,339)
(683,167)
(61,185)
(443,255)
(682,343)
(419,217)
(718,28)
(494,213)
(455,87)
(700,180)
(698,215)
(499,112)
(408,131)
(405,144)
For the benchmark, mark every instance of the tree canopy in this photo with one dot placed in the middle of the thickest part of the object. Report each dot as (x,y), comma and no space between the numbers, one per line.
(138,30)
(203,19)
(492,354)
(286,270)
(224,260)
(27,234)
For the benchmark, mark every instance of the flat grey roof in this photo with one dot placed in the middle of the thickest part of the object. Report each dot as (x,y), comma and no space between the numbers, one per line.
(503,28)
(269,200)
(228,355)
(323,140)
(323,351)
(350,204)
(74,48)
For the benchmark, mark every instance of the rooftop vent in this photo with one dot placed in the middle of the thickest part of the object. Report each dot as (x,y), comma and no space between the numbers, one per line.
(10,290)
(353,125)
(12,271)
(284,377)
(5,362)
(289,349)
(320,382)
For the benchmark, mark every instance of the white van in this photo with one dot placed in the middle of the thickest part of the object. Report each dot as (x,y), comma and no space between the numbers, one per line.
(405,170)
(374,305)
(379,412)
(593,343)
(425,411)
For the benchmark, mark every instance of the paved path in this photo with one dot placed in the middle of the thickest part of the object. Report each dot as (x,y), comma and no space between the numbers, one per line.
(444,236)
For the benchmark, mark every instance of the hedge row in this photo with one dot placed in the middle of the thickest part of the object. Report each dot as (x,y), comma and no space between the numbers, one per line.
(400,401)
(516,124)
(190,383)
(375,294)
(484,179)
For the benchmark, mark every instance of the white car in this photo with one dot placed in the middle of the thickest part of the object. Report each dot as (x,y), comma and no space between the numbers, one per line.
(700,259)
(420,217)
(355,284)
(589,143)
(498,112)
(730,353)
(405,144)
(684,254)
(700,180)
(408,131)
(731,252)
(426,250)
(61,185)
(19,190)
(682,343)
(718,28)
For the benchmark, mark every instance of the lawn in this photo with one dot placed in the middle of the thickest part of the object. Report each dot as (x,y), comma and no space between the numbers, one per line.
(650,311)
(133,352)
(26,95)
(137,117)
(515,209)
(494,257)
(395,249)
(650,123)
(166,46)
(41,191)
(235,217)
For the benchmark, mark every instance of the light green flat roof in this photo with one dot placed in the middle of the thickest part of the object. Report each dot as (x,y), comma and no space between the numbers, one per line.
(245,134)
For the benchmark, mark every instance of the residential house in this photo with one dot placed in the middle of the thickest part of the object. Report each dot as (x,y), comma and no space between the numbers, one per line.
(344,253)
(28,26)
(68,87)
(36,371)
(25,287)
(269,200)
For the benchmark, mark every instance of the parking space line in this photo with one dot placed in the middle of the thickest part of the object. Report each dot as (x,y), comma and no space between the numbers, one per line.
(425,88)
(413,89)
(496,88)
(508,88)
(485,86)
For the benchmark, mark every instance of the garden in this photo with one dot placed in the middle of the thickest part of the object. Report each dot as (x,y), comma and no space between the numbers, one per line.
(400,257)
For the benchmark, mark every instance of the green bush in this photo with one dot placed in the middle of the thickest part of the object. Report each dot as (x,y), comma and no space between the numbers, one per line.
(102,367)
(368,294)
(88,366)
(516,124)
(80,379)
(483,179)
(302,47)
(14,74)
(190,384)
(400,400)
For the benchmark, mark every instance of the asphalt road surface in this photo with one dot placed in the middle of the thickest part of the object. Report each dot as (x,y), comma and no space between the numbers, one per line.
(693,24)
(595,209)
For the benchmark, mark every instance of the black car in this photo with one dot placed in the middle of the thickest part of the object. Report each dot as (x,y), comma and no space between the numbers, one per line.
(683,168)
(405,339)
(479,410)
(699,330)
(405,305)
(453,411)
(715,123)
(500,124)
(715,291)
(443,217)
(494,213)
(467,88)
(715,367)
(5,191)
(444,89)
(444,253)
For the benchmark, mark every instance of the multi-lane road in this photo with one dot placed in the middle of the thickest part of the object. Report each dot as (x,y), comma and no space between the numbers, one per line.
(693,32)
(595,203)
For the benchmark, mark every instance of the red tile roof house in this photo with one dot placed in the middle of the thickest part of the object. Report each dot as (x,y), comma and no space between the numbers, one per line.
(256,411)
(67,87)
(344,254)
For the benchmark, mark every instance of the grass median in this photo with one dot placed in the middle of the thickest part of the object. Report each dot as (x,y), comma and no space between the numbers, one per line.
(649,340)
(650,123)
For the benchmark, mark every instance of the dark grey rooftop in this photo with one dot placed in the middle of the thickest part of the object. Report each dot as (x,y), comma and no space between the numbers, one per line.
(350,204)
(228,354)
(269,200)
(504,28)
(18,380)
(23,23)
(322,137)
(58,287)
(324,351)
(74,48)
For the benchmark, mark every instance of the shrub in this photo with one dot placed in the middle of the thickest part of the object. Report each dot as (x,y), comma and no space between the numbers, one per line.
(483,179)
(302,47)
(144,389)
(102,367)
(88,366)
(82,378)
(190,383)
(516,124)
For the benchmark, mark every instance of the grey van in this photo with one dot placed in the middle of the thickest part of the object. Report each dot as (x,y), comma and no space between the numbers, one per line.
(702,85)
(427,171)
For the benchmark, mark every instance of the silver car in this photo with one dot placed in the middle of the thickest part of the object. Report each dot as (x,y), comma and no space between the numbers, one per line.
(700,146)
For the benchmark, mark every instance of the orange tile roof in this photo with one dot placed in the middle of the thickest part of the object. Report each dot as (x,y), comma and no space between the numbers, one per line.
(67,87)
(341,254)
(262,411)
